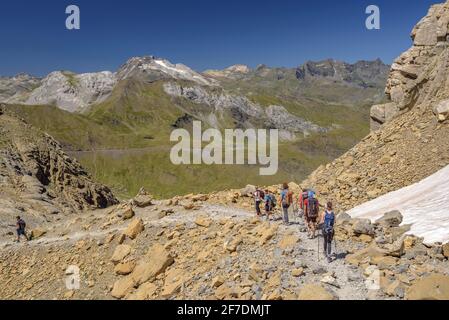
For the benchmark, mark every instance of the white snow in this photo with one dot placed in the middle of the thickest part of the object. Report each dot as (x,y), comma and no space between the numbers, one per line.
(424,205)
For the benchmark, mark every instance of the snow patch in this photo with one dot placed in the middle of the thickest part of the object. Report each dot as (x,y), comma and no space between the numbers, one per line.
(424,205)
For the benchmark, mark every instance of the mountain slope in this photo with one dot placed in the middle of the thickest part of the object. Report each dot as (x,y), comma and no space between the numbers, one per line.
(412,144)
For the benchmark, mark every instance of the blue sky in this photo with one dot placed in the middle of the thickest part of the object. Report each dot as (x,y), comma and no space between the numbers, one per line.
(202,34)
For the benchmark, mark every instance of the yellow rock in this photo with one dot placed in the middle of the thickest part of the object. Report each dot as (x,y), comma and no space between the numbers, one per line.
(288,241)
(144,292)
(122,287)
(155,263)
(315,292)
(432,287)
(134,228)
(120,253)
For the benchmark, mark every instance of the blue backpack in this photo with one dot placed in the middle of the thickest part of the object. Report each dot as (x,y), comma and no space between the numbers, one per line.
(329,220)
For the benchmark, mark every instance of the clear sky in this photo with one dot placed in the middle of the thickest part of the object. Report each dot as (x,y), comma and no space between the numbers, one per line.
(203,34)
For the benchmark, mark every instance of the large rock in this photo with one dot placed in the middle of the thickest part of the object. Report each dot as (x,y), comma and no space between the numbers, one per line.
(365,255)
(432,287)
(446,250)
(120,253)
(122,287)
(248,191)
(390,219)
(441,110)
(315,292)
(143,199)
(363,226)
(134,228)
(155,262)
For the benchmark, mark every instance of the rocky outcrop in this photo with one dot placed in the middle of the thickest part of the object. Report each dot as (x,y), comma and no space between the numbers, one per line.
(412,144)
(363,74)
(245,112)
(418,78)
(35,173)
(73,92)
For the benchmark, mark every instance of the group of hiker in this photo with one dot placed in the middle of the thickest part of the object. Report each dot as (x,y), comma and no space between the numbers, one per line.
(307,206)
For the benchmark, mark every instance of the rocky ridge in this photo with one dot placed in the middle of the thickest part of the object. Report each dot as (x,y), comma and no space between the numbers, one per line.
(412,145)
(38,179)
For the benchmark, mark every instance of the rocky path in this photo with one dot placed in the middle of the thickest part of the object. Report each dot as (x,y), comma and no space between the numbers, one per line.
(342,280)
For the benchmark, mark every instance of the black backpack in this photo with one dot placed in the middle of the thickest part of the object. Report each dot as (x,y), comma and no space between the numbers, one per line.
(22,224)
(312,208)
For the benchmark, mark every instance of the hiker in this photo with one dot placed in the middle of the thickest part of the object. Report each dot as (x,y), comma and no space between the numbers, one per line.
(270,203)
(328,220)
(311,213)
(286,201)
(301,199)
(20,228)
(258,198)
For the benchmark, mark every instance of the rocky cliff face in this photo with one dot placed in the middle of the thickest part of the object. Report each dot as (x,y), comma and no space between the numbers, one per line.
(38,178)
(365,74)
(412,143)
(244,112)
(418,78)
(73,92)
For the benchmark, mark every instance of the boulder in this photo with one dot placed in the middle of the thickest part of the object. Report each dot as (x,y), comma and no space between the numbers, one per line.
(315,292)
(120,253)
(134,228)
(248,191)
(143,199)
(155,263)
(431,287)
(446,250)
(37,233)
(441,110)
(122,287)
(125,211)
(362,226)
(390,219)
(366,254)
(203,222)
(125,268)
(298,272)
(144,292)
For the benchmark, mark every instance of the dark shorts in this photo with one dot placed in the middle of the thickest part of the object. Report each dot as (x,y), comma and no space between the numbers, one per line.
(20,232)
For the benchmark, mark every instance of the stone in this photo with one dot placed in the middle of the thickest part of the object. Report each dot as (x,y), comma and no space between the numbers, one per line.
(441,110)
(203,222)
(368,253)
(143,199)
(174,281)
(315,292)
(125,212)
(37,233)
(122,287)
(120,253)
(144,292)
(446,250)
(225,292)
(288,241)
(248,191)
(390,219)
(125,268)
(156,261)
(363,226)
(217,281)
(431,287)
(298,272)
(134,228)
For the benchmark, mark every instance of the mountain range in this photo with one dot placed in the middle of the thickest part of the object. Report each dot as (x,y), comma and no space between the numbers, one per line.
(321,109)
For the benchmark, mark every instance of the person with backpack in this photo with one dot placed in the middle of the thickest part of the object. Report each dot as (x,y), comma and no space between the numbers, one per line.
(311,213)
(301,200)
(328,220)
(258,198)
(268,204)
(286,201)
(20,228)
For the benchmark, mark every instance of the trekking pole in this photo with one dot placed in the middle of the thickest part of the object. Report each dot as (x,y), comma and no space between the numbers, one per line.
(318,238)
